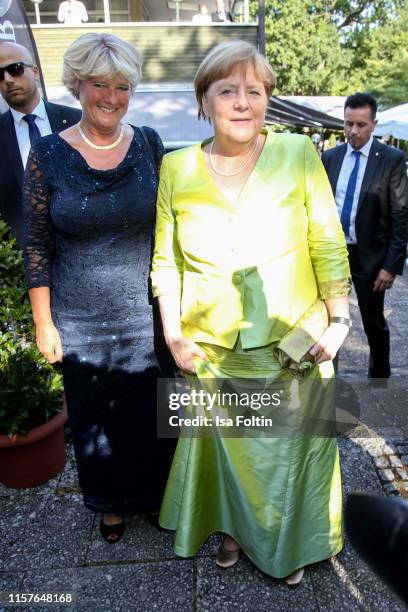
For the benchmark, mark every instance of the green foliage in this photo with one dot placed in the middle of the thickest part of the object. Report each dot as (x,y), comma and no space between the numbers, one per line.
(355,15)
(304,48)
(334,47)
(386,70)
(30,388)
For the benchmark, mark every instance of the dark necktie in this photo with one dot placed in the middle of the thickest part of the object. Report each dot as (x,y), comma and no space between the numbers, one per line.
(349,197)
(33,130)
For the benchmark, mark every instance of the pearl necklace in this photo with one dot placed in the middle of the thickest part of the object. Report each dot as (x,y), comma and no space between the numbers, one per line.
(244,165)
(101,147)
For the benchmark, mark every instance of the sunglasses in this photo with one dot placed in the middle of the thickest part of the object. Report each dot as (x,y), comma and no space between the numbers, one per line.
(14,70)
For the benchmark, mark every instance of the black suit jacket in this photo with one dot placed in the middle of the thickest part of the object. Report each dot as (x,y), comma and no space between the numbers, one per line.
(11,166)
(216,18)
(382,211)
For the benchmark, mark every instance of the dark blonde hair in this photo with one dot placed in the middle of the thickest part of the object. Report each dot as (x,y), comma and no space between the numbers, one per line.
(223,59)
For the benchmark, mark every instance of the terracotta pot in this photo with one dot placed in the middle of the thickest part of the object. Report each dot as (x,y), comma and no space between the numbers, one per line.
(31,460)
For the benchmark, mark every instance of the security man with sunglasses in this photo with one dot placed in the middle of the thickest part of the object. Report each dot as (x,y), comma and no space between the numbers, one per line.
(29,117)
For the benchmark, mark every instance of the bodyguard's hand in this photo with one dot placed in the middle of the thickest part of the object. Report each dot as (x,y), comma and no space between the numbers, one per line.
(184,351)
(383,281)
(49,342)
(330,342)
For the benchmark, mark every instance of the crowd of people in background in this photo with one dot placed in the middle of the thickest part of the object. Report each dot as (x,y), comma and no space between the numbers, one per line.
(74,13)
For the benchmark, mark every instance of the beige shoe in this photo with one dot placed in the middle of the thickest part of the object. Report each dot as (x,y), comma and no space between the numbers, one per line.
(227,558)
(294,579)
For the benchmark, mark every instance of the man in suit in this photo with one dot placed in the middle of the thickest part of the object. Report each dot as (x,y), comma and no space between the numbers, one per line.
(369,182)
(28,118)
(221,15)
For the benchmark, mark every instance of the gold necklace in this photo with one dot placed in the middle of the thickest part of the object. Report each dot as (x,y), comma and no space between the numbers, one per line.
(102,147)
(244,165)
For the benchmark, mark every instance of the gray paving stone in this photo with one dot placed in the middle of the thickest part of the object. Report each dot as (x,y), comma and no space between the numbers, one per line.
(402,473)
(389,449)
(389,433)
(10,581)
(367,442)
(395,461)
(347,584)
(374,451)
(69,477)
(14,517)
(393,400)
(371,412)
(404,459)
(244,588)
(210,546)
(358,473)
(4,491)
(386,475)
(381,462)
(140,587)
(398,441)
(56,534)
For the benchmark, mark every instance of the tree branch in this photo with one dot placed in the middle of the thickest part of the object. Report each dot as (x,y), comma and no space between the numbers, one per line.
(351,18)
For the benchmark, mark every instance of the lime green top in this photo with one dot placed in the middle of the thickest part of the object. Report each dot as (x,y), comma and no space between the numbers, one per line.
(252,266)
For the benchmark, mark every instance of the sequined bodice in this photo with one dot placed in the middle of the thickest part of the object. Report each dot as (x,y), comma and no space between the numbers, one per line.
(88,237)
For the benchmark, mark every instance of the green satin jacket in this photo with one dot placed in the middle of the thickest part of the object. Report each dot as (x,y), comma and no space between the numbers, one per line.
(253,266)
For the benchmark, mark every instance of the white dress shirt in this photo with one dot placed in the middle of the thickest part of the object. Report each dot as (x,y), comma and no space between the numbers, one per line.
(346,169)
(72,12)
(21,126)
(201,19)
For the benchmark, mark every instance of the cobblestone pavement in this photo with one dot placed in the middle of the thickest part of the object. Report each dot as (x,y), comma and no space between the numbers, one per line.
(49,542)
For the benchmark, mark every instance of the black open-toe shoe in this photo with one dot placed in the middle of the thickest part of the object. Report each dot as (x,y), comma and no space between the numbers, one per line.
(112,533)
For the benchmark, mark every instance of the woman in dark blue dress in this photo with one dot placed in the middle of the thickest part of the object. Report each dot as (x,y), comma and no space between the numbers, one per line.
(89,213)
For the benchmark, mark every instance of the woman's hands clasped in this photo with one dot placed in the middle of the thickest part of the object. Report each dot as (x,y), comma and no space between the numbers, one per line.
(184,351)
(49,342)
(327,347)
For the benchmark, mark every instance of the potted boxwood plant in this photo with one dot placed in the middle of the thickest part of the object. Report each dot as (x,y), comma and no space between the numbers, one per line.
(32,414)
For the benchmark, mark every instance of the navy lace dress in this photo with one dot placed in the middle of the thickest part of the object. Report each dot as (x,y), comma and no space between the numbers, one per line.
(88,237)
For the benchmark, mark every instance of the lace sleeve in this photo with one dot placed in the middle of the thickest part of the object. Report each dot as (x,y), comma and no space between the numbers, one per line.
(38,228)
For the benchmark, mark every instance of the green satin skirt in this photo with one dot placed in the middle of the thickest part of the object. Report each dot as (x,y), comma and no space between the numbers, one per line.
(278,497)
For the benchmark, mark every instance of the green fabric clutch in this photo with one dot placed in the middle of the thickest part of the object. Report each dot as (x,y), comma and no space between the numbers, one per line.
(292,351)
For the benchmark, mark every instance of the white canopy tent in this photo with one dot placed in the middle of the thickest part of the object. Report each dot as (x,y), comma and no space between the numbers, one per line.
(393,122)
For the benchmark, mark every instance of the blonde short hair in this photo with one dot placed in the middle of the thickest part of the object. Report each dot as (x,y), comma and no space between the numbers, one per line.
(100,55)
(223,59)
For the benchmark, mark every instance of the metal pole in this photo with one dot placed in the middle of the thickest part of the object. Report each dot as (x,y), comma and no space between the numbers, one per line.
(106,11)
(37,13)
(177,10)
(261,26)
(246,11)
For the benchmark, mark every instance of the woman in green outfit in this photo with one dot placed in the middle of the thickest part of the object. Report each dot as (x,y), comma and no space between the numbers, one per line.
(249,249)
